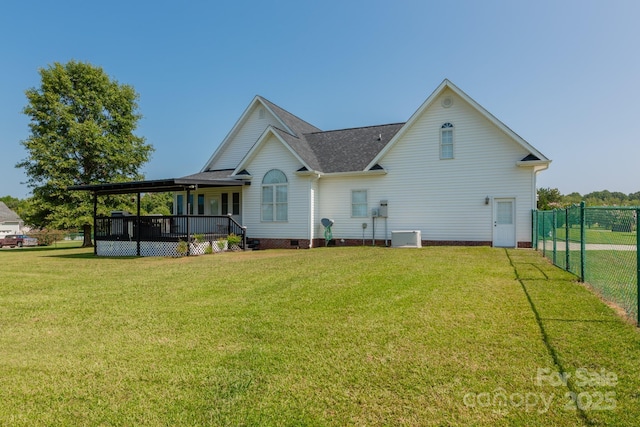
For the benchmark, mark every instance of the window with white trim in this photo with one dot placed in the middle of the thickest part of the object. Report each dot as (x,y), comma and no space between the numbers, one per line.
(275,188)
(359,203)
(446,141)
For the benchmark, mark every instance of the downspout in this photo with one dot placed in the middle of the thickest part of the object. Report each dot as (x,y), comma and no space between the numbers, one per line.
(534,203)
(310,216)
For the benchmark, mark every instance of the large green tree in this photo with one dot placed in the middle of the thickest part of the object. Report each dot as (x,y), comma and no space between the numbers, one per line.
(82,127)
(549,198)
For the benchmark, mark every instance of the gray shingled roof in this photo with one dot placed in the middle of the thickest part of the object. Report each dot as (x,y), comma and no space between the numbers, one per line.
(343,150)
(302,148)
(7,214)
(350,150)
(296,124)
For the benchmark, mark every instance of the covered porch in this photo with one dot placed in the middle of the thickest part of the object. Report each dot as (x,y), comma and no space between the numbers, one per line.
(132,234)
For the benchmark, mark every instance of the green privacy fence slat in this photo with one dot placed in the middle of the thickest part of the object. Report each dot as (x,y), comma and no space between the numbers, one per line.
(599,245)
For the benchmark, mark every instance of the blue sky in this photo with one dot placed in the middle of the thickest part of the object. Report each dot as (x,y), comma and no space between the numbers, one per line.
(562,74)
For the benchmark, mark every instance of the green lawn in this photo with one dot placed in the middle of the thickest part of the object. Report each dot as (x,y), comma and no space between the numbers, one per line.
(330,336)
(598,236)
(612,273)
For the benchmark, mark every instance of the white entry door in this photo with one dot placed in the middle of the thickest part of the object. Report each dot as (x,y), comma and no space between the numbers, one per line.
(504,223)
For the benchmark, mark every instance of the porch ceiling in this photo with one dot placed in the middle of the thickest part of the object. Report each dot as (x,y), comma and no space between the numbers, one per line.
(156,186)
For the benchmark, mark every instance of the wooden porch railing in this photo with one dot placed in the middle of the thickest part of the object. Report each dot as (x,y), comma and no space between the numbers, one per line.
(157,228)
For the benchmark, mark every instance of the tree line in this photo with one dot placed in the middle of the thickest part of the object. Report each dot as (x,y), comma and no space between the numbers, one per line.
(551,198)
(150,203)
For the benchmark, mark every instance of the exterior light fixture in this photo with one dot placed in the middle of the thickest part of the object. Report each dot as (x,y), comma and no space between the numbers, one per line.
(486,200)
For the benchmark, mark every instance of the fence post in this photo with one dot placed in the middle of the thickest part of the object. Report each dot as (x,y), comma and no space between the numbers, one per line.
(534,229)
(566,237)
(583,246)
(638,266)
(544,236)
(553,236)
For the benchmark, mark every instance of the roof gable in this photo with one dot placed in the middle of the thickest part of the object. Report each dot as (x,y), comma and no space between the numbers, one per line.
(283,119)
(294,125)
(446,84)
(281,136)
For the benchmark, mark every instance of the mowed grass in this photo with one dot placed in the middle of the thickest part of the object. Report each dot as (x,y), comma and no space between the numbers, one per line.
(330,336)
(612,274)
(598,236)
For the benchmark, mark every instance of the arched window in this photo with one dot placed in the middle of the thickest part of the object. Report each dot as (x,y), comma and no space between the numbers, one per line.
(274,196)
(446,141)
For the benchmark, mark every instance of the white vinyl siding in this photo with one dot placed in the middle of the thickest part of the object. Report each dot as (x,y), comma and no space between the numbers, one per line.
(445,200)
(273,154)
(243,139)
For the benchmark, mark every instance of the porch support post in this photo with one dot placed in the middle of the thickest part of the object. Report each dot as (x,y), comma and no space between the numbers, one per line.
(138,225)
(188,220)
(95,222)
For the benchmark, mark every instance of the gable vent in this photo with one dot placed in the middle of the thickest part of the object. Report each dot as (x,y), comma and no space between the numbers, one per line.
(261,113)
(447,102)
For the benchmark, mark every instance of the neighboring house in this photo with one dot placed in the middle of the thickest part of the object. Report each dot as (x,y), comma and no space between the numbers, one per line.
(453,172)
(10,222)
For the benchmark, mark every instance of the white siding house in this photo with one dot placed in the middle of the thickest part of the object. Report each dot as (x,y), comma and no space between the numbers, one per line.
(453,172)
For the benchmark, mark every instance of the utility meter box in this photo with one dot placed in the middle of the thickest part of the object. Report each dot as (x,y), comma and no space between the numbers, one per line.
(375,212)
(382,210)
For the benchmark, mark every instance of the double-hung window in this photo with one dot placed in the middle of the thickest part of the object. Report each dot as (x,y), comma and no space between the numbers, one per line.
(359,203)
(230,207)
(179,204)
(446,141)
(200,204)
(225,203)
(275,190)
(235,203)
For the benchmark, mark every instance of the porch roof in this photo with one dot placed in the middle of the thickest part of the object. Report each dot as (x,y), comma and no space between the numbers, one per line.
(189,182)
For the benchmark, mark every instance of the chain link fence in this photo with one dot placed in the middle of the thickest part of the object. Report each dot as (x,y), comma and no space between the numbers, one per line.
(599,245)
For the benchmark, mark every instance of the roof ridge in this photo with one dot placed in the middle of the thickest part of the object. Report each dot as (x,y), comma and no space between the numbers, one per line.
(271,104)
(357,127)
(288,133)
